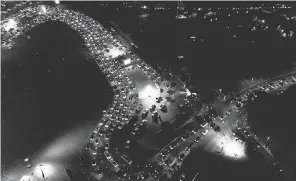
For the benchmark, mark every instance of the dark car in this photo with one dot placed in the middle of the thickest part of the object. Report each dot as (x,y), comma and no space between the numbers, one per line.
(217,129)
(173,84)
(164,108)
(174,145)
(185,137)
(197,139)
(212,125)
(190,145)
(207,118)
(182,156)
(159,99)
(165,151)
(92,136)
(152,108)
(182,177)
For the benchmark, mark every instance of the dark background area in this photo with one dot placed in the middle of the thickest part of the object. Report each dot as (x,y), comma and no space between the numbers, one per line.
(212,167)
(43,94)
(220,61)
(274,116)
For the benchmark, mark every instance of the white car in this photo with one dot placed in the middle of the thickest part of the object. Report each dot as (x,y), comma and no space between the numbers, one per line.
(114,163)
(107,154)
(204,124)
(174,145)
(205,132)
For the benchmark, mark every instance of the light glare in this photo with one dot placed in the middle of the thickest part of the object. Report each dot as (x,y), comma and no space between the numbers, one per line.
(127,61)
(148,91)
(188,92)
(11,24)
(114,52)
(46,168)
(43,8)
(234,149)
(25,178)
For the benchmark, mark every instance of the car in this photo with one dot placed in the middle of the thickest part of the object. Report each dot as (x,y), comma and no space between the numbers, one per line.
(197,139)
(164,108)
(145,113)
(207,119)
(95,152)
(126,159)
(92,137)
(185,137)
(138,110)
(107,146)
(217,129)
(204,124)
(159,99)
(152,108)
(173,166)
(182,177)
(174,145)
(107,124)
(189,146)
(212,125)
(121,125)
(107,154)
(181,106)
(239,104)
(168,161)
(205,132)
(114,163)
(194,131)
(182,156)
(154,113)
(108,135)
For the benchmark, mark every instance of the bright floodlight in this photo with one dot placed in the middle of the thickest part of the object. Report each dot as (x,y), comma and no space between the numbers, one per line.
(230,146)
(127,61)
(188,92)
(148,91)
(45,170)
(234,148)
(115,52)
(43,8)
(57,1)
(25,178)
(26,159)
(11,24)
